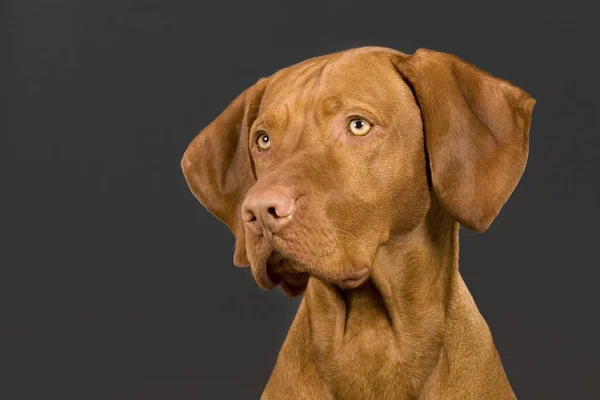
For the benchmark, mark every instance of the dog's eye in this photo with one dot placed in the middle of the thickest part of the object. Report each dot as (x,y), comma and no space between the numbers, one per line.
(359,127)
(263,141)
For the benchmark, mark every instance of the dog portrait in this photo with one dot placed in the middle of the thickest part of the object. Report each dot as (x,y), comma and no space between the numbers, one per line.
(330,200)
(345,177)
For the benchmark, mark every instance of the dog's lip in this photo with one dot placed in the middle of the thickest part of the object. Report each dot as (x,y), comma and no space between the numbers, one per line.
(354,279)
(292,290)
(263,279)
(292,284)
(264,275)
(261,273)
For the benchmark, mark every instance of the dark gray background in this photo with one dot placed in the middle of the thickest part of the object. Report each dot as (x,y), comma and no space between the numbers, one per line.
(116,284)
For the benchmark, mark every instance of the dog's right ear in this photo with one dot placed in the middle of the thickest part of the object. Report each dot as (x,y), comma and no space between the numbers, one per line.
(217,165)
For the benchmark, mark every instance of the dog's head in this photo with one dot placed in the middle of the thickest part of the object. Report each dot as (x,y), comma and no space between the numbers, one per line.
(316,166)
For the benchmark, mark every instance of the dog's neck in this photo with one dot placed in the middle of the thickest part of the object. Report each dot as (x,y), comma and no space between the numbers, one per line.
(406,300)
(413,272)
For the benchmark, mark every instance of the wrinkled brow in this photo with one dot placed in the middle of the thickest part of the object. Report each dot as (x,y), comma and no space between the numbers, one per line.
(277,119)
(329,106)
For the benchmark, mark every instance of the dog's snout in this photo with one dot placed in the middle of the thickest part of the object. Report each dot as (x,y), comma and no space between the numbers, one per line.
(271,207)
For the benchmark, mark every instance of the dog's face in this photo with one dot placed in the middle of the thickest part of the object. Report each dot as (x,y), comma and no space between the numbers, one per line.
(318,165)
(347,148)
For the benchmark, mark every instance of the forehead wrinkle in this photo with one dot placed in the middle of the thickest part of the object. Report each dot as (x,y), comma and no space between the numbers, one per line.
(319,75)
(311,70)
(286,118)
(328,106)
(297,76)
(275,118)
(279,96)
(300,128)
(368,93)
(375,97)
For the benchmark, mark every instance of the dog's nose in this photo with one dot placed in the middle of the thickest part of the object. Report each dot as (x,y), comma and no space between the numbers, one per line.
(271,207)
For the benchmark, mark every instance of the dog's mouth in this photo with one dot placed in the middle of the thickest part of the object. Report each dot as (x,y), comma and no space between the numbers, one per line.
(284,271)
(280,271)
(277,269)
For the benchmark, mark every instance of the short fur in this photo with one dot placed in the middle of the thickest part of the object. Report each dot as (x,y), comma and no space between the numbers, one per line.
(448,145)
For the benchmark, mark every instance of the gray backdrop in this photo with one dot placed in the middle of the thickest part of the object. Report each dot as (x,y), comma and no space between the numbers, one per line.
(115,283)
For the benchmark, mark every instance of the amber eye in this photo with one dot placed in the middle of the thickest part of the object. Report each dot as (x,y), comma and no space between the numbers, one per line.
(263,141)
(359,127)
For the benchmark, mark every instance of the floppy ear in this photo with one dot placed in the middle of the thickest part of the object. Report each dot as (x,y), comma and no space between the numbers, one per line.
(476,133)
(217,166)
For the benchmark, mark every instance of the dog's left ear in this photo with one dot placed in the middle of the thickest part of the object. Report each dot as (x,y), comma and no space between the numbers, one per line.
(217,165)
(476,133)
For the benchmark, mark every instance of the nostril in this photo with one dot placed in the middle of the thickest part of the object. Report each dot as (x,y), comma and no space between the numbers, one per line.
(272,211)
(248,215)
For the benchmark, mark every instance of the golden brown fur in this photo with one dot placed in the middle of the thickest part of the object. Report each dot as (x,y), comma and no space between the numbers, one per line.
(448,145)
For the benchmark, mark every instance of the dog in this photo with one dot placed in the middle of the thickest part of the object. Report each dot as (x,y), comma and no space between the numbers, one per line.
(345,178)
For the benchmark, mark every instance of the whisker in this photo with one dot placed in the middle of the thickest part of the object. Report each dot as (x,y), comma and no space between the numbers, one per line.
(344,238)
(348,234)
(249,276)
